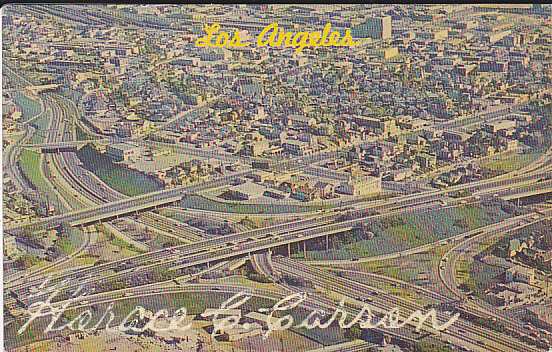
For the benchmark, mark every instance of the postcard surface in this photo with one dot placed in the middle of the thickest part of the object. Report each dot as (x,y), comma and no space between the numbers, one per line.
(277,177)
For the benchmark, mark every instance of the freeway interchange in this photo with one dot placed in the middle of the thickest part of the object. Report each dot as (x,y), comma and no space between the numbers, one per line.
(216,249)
(88,200)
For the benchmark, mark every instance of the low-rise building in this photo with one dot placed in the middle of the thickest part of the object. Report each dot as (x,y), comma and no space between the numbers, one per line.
(300,121)
(304,193)
(493,66)
(276,194)
(10,246)
(495,126)
(541,313)
(520,273)
(297,147)
(495,37)
(262,176)
(387,53)
(379,125)
(247,191)
(359,186)
(426,160)
(398,175)
(452,135)
(433,35)
(467,24)
(122,151)
(256,148)
(325,189)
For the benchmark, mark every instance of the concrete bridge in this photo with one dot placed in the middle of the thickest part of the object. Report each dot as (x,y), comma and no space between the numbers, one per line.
(40,89)
(101,212)
(56,146)
(528,191)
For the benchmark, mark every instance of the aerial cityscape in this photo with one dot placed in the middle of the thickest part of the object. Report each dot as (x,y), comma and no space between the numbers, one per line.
(248,178)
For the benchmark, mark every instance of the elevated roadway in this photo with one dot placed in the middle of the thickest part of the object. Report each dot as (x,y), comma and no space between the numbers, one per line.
(58,145)
(462,331)
(41,88)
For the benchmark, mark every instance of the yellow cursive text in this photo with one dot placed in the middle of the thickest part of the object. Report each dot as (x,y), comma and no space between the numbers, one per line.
(302,40)
(222,40)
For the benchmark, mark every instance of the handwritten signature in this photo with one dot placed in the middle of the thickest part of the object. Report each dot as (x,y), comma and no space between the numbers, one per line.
(134,320)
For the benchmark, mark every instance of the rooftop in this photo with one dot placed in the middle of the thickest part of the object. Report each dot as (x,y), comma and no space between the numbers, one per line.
(299,118)
(122,146)
(248,188)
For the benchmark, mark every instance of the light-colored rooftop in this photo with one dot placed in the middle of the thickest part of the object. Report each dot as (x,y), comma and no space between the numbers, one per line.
(122,146)
(249,188)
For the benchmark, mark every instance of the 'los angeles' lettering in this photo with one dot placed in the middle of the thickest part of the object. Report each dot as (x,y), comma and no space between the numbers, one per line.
(272,36)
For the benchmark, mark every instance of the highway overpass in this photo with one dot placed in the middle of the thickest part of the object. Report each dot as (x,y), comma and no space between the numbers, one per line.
(122,211)
(40,89)
(98,213)
(58,145)
(527,191)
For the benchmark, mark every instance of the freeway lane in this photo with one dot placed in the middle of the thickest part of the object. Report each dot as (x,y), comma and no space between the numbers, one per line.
(301,228)
(467,248)
(11,155)
(295,164)
(167,196)
(354,290)
(448,276)
(218,248)
(414,200)
(123,206)
(171,226)
(201,246)
(353,346)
